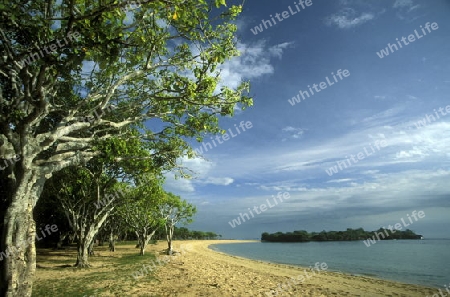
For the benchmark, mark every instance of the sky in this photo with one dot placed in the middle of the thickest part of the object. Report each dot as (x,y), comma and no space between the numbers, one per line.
(367,148)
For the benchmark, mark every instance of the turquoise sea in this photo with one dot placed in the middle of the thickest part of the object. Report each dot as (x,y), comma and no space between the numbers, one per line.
(423,262)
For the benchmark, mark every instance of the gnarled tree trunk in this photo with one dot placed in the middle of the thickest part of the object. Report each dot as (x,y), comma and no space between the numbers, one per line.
(143,239)
(85,240)
(17,245)
(82,255)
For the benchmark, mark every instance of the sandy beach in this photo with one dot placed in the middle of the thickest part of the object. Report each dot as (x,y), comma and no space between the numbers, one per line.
(200,271)
(196,271)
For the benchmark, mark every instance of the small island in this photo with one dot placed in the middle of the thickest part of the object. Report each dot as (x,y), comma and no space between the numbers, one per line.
(348,235)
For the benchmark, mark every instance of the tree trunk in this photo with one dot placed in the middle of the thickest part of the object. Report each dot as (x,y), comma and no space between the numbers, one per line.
(141,243)
(169,249)
(141,250)
(72,237)
(112,242)
(82,255)
(62,237)
(85,239)
(169,236)
(112,246)
(143,240)
(91,248)
(17,243)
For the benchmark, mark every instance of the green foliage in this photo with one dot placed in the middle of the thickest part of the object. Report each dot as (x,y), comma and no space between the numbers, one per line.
(140,208)
(153,68)
(183,233)
(349,234)
(177,210)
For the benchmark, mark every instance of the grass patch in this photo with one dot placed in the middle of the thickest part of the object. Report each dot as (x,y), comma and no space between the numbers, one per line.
(110,274)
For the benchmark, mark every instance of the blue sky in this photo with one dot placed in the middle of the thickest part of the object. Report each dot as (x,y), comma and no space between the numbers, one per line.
(290,147)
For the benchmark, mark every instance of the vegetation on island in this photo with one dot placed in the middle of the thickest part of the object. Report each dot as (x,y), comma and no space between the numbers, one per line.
(348,235)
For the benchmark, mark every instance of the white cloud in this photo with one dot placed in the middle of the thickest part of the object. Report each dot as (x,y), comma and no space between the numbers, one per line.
(342,180)
(425,147)
(201,171)
(172,184)
(411,97)
(370,172)
(219,181)
(406,10)
(390,190)
(385,116)
(349,18)
(199,168)
(254,62)
(403,3)
(291,132)
(415,152)
(292,129)
(277,50)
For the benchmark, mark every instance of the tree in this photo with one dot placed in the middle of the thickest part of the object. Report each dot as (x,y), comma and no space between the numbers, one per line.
(80,190)
(74,73)
(89,194)
(140,211)
(175,210)
(111,231)
(182,232)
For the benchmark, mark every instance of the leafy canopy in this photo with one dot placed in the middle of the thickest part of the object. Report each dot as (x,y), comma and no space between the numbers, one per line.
(76,75)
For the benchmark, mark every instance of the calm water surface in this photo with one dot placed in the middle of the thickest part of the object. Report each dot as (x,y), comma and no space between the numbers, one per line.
(425,262)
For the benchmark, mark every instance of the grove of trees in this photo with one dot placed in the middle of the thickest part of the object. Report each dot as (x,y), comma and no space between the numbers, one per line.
(183,233)
(96,96)
(349,234)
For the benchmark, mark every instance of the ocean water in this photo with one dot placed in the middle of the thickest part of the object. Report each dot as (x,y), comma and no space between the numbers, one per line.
(423,262)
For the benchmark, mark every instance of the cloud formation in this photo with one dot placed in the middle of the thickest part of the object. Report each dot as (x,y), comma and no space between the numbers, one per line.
(255,61)
(348,18)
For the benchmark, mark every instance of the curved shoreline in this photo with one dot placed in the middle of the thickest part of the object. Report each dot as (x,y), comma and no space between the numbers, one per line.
(296,266)
(268,276)
(200,271)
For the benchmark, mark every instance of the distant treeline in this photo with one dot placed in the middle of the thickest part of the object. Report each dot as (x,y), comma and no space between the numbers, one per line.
(185,233)
(350,234)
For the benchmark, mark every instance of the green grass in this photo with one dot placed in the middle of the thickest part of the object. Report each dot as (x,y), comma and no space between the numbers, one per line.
(83,282)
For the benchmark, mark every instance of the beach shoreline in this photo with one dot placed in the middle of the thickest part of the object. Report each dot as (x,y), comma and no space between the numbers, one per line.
(207,272)
(197,270)
(297,266)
